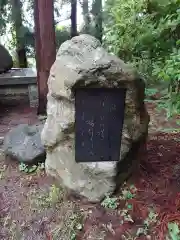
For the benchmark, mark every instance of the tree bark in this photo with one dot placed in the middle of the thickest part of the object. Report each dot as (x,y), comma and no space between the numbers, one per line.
(97,13)
(86,17)
(74,18)
(42,103)
(20,44)
(45,47)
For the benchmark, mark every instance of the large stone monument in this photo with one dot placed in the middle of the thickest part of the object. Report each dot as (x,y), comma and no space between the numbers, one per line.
(82,63)
(6,62)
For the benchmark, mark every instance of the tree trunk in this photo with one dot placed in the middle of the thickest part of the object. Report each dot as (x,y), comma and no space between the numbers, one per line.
(97,13)
(20,44)
(86,17)
(42,103)
(74,18)
(45,47)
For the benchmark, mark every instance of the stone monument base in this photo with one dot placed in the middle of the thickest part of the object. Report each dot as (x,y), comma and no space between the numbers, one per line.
(82,63)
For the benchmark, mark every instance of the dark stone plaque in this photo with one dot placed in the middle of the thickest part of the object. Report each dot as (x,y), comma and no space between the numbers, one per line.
(99,116)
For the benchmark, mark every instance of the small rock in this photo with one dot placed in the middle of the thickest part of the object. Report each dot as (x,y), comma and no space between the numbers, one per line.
(6,62)
(23,143)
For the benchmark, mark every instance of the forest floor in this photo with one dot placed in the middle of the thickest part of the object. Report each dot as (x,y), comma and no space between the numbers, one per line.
(34,207)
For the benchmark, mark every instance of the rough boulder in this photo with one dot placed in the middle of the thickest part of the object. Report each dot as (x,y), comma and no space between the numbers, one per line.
(82,62)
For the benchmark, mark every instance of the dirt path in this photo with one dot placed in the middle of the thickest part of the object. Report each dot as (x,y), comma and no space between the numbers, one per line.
(33,207)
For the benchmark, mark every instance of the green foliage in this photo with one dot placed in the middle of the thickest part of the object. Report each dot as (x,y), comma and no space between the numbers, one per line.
(151,219)
(62,35)
(174,231)
(72,224)
(127,194)
(54,194)
(170,71)
(30,169)
(122,26)
(4,9)
(147,34)
(150,91)
(109,202)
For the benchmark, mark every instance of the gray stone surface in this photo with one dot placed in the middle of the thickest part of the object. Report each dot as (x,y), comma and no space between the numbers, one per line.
(33,95)
(6,62)
(23,143)
(19,84)
(82,62)
(19,76)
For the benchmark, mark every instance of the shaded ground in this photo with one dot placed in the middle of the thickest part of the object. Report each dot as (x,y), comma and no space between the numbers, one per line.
(32,206)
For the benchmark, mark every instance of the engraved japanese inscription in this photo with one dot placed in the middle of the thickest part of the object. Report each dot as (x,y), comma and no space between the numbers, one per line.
(99,115)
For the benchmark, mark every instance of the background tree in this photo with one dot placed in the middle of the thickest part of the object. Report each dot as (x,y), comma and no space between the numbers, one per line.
(97,13)
(86,16)
(19,33)
(3,15)
(45,47)
(74,18)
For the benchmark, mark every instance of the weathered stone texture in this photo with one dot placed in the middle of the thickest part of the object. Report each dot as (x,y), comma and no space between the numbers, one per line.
(23,143)
(82,62)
